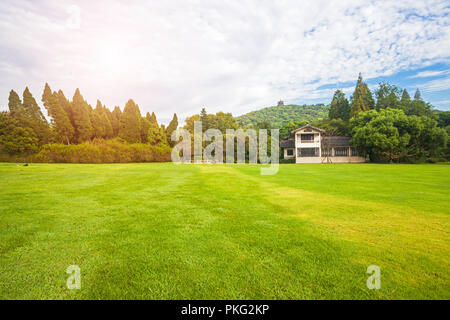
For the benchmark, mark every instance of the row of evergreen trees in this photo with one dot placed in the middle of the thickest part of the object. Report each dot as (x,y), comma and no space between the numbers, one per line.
(387,96)
(75,122)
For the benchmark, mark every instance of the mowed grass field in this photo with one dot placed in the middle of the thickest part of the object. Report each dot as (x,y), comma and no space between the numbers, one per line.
(165,231)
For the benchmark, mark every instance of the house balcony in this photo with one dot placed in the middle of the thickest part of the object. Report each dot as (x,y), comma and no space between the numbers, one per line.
(308,143)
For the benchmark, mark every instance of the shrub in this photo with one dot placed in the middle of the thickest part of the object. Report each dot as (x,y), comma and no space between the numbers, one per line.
(103,151)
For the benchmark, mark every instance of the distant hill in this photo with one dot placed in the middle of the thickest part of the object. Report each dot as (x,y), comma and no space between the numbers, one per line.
(280,115)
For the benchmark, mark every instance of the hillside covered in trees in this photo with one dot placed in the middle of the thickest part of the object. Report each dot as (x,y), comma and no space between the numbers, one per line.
(77,132)
(277,116)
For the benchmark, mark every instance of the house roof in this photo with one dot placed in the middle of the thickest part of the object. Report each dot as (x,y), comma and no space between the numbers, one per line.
(290,143)
(308,126)
(336,141)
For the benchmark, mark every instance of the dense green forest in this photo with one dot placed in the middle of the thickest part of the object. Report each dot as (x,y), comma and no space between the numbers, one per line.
(77,132)
(279,115)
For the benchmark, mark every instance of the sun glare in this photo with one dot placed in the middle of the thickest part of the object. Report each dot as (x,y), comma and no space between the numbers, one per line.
(111,60)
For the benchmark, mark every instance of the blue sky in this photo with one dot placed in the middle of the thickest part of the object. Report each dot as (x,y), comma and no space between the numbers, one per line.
(432,81)
(236,56)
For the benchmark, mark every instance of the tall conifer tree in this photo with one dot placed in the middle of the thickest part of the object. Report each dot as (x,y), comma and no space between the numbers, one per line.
(417,95)
(115,120)
(66,105)
(30,107)
(81,118)
(30,115)
(155,135)
(173,125)
(145,126)
(97,121)
(64,130)
(339,108)
(105,119)
(405,96)
(14,102)
(362,99)
(130,123)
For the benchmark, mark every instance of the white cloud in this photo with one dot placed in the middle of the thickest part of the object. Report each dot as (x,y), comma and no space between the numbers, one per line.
(178,56)
(427,74)
(435,85)
(74,20)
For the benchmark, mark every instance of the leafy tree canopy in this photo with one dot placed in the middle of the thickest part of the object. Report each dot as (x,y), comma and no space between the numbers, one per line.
(391,135)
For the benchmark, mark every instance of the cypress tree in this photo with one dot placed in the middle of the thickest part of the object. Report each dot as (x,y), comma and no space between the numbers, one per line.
(30,107)
(405,96)
(153,118)
(14,102)
(357,106)
(81,118)
(362,99)
(405,102)
(145,126)
(155,135)
(417,95)
(66,105)
(97,121)
(418,107)
(46,97)
(204,119)
(163,138)
(339,108)
(30,115)
(61,123)
(173,125)
(105,119)
(100,122)
(115,120)
(130,123)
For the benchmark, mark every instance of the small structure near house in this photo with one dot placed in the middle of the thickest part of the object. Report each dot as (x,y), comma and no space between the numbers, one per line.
(309,145)
(281,103)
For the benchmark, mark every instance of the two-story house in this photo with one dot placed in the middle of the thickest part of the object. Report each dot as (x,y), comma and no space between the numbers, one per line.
(309,145)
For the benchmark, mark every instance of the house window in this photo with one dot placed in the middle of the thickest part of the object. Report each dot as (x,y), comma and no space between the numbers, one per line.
(305,138)
(341,151)
(308,152)
(290,152)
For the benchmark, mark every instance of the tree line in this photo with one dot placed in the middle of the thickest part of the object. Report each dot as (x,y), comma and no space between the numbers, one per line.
(387,125)
(386,96)
(24,130)
(391,126)
(224,121)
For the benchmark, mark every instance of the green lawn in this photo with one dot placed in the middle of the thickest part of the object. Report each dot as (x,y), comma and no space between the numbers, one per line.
(165,231)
